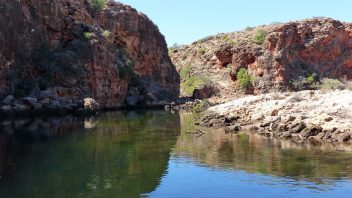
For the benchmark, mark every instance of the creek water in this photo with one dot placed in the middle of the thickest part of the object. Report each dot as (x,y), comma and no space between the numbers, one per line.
(153,154)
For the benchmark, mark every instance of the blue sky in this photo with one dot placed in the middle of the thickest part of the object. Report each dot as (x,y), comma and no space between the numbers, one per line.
(184,21)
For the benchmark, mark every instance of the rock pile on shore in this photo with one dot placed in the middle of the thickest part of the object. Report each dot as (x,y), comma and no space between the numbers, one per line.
(300,116)
(46,101)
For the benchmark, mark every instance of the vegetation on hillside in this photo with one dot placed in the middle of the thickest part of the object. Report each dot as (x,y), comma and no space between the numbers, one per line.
(106,33)
(88,35)
(97,4)
(259,37)
(189,83)
(244,79)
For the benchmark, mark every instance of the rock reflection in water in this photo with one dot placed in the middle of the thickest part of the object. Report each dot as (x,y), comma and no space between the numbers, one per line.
(255,154)
(115,154)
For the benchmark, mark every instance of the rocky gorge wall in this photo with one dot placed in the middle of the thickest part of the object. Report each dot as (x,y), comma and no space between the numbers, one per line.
(275,55)
(72,51)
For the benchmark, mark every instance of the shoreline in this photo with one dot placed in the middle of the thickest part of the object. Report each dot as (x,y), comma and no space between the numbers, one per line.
(79,108)
(298,116)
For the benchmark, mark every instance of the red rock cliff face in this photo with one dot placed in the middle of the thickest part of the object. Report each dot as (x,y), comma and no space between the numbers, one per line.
(289,51)
(65,46)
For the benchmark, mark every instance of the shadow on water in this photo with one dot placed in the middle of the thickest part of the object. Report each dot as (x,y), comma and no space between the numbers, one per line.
(121,154)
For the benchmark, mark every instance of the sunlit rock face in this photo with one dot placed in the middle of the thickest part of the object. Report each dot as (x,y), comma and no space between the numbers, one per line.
(283,54)
(64,44)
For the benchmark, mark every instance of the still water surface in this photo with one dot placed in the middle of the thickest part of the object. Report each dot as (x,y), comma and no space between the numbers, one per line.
(149,154)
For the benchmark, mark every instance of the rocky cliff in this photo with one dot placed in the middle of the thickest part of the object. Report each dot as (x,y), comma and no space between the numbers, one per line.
(276,56)
(71,50)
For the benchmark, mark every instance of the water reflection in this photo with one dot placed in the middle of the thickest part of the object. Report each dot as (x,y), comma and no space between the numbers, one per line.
(256,154)
(116,154)
(149,153)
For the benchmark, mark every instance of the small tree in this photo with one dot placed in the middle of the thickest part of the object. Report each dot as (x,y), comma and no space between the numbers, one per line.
(244,78)
(259,37)
(97,4)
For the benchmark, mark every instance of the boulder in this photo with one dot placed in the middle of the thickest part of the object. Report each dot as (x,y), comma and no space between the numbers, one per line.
(311,131)
(6,109)
(18,107)
(131,101)
(233,129)
(203,92)
(8,100)
(90,104)
(46,94)
(30,101)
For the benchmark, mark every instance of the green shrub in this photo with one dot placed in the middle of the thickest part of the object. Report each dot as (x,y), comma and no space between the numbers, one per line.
(201,51)
(233,42)
(126,67)
(88,35)
(106,33)
(225,38)
(259,37)
(185,72)
(97,4)
(193,82)
(244,78)
(331,84)
(311,78)
(129,62)
(202,106)
(249,28)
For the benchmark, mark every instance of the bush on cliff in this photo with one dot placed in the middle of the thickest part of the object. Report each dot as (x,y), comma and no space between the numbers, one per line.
(201,51)
(88,35)
(259,37)
(201,106)
(106,33)
(193,82)
(308,82)
(185,72)
(97,4)
(331,84)
(244,79)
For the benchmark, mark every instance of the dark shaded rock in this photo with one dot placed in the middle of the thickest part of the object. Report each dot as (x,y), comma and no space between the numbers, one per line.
(30,101)
(203,92)
(311,131)
(266,124)
(286,135)
(253,129)
(131,101)
(232,129)
(344,137)
(46,94)
(328,119)
(298,127)
(6,109)
(216,123)
(8,100)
